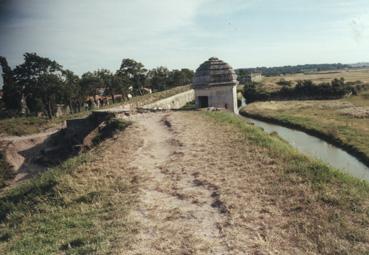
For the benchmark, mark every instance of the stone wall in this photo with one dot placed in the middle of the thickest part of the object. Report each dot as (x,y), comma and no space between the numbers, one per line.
(173,102)
(219,97)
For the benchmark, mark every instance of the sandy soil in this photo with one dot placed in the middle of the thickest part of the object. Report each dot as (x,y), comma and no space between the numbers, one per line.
(202,191)
(19,152)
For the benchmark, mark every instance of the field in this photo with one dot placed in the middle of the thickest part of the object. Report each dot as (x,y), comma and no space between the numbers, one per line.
(350,75)
(344,121)
(166,185)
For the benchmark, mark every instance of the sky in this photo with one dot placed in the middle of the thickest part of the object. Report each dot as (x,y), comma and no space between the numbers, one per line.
(84,35)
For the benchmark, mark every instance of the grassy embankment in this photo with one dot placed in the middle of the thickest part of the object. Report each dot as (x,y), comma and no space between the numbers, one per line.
(329,207)
(29,125)
(75,208)
(80,209)
(336,121)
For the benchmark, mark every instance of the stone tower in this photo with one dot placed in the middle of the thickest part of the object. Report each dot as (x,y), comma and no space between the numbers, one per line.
(215,84)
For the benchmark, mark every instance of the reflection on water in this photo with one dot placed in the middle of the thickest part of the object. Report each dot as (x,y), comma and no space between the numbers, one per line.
(317,148)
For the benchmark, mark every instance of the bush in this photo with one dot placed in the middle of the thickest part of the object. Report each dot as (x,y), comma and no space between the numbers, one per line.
(283,82)
(305,89)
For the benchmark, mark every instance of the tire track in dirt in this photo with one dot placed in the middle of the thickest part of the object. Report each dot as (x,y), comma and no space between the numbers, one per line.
(177,212)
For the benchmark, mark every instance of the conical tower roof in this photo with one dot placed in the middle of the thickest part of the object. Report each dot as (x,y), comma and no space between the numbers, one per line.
(214,72)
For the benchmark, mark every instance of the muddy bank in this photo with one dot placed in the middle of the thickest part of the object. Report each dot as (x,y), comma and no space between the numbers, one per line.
(357,153)
(26,157)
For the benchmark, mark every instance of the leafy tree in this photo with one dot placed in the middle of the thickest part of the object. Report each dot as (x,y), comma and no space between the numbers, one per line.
(42,83)
(90,83)
(120,85)
(72,93)
(181,77)
(133,72)
(250,92)
(11,92)
(110,82)
(159,78)
(27,76)
(49,88)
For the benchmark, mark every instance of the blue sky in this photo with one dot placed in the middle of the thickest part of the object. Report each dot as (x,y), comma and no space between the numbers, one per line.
(85,35)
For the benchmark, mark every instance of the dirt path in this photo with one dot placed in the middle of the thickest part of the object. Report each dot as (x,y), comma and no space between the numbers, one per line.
(177,214)
(204,191)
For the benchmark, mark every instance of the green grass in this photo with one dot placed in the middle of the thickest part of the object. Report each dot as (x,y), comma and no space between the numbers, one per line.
(328,206)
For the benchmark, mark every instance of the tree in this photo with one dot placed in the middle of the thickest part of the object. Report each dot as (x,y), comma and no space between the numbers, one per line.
(181,77)
(72,93)
(120,85)
(27,77)
(159,78)
(11,92)
(249,92)
(49,87)
(90,83)
(106,80)
(134,73)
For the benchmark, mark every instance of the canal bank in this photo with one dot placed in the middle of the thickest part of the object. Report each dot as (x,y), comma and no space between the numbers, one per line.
(351,149)
(317,148)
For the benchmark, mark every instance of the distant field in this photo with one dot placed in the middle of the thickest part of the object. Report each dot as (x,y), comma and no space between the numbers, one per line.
(350,75)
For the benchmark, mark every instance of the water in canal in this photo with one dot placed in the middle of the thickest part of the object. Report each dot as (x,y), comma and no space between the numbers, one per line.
(317,148)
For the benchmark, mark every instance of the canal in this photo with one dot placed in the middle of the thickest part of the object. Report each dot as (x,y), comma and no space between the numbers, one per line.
(318,149)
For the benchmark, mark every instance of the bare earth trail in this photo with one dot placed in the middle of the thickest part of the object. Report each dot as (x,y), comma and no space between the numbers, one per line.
(175,213)
(201,190)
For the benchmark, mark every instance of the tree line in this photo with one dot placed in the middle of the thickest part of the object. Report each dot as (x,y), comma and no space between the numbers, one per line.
(283,70)
(39,84)
(304,89)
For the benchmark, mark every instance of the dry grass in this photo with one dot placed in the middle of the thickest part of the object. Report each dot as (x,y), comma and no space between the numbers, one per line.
(281,202)
(350,75)
(80,207)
